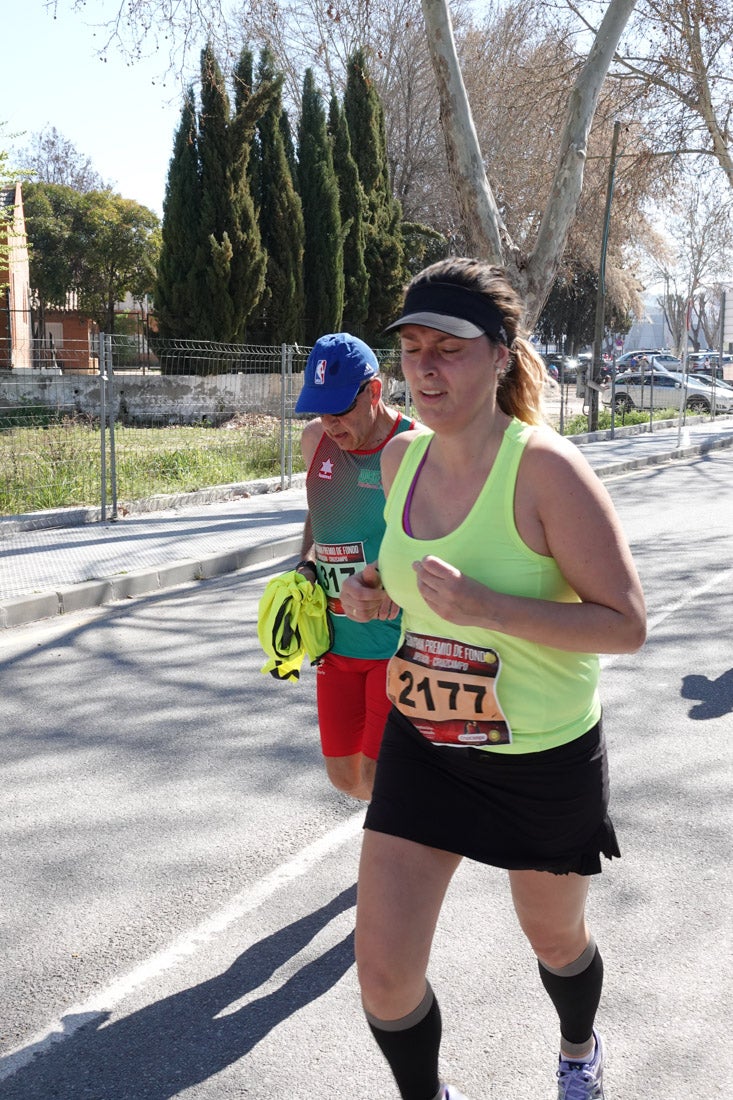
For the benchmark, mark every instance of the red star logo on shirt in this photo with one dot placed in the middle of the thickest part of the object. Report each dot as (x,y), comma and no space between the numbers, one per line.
(326,470)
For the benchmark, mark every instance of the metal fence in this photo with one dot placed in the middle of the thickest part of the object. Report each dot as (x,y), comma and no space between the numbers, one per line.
(117,421)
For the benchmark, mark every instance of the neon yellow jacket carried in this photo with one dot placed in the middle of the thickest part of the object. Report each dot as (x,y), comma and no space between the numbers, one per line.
(292,621)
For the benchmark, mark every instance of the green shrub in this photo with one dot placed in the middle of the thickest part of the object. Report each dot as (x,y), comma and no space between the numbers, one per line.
(578,425)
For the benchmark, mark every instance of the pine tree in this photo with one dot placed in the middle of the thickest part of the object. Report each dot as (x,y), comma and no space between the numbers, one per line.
(323,254)
(279,316)
(384,254)
(353,207)
(174,289)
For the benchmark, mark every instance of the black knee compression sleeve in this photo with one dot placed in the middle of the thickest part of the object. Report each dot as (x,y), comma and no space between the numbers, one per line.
(411,1047)
(575,991)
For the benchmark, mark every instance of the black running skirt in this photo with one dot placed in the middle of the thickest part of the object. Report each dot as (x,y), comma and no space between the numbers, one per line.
(541,811)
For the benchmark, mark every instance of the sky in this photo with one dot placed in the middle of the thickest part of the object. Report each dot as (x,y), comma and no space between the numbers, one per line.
(123,117)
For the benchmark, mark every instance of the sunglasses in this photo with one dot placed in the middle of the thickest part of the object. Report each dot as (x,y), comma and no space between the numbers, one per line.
(352,406)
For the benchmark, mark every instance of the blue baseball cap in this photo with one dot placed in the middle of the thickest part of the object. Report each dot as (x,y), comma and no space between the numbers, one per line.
(337,366)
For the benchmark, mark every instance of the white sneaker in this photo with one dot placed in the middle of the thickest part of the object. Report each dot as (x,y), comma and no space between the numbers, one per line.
(451,1093)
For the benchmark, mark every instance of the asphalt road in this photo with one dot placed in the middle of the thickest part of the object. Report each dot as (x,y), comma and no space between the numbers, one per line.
(177,881)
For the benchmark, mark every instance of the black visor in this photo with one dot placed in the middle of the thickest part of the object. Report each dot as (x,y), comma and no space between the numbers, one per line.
(453,309)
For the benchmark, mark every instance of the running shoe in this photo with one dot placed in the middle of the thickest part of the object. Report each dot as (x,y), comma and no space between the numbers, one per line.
(451,1093)
(582,1080)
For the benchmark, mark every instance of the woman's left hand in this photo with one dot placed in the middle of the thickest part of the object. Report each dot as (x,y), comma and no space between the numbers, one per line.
(449,593)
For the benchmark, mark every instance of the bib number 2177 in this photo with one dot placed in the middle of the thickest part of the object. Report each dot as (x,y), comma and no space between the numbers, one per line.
(448,691)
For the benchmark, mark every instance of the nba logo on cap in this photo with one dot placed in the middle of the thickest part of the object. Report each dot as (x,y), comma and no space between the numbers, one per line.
(320,375)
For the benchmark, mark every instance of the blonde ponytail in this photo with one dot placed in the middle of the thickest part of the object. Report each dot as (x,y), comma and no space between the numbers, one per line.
(522,386)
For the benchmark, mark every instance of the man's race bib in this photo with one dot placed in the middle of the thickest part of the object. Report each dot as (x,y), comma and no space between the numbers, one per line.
(448,691)
(335,563)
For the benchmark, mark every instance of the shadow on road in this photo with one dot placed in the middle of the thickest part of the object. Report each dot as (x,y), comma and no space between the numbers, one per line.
(716,696)
(166,1047)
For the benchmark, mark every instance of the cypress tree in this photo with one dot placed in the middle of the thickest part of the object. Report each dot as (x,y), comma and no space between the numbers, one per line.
(234,265)
(353,207)
(323,254)
(249,262)
(215,315)
(287,135)
(243,80)
(174,290)
(243,87)
(384,254)
(279,316)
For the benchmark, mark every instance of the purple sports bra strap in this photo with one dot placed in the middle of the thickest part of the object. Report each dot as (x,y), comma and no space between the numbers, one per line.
(410,493)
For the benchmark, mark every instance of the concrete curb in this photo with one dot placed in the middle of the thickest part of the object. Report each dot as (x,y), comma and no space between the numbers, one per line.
(688,451)
(89,594)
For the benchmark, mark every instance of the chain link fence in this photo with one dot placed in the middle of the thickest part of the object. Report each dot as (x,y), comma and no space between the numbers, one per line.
(120,420)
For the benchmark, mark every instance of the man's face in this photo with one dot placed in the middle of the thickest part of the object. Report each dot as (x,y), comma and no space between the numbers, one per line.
(350,430)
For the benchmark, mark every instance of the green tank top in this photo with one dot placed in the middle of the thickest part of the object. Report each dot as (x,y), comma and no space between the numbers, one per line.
(346,503)
(542,697)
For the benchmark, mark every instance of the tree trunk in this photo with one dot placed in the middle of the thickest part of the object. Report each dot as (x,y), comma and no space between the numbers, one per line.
(485,232)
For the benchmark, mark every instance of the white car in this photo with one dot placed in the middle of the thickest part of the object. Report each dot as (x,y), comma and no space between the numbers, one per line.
(624,361)
(707,379)
(665,362)
(663,389)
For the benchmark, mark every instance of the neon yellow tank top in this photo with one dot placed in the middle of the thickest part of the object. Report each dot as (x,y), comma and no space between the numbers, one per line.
(546,697)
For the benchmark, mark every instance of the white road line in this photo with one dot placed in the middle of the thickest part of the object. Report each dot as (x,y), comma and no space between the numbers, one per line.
(245,902)
(716,579)
(673,608)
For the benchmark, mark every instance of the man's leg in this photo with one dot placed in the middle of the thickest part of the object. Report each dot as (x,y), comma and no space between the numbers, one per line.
(353,774)
(352,711)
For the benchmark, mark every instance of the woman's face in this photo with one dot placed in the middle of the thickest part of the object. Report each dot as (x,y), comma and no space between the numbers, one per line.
(450,379)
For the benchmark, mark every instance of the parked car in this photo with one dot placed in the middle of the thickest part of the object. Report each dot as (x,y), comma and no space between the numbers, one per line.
(662,389)
(656,361)
(707,379)
(624,361)
(665,361)
(699,358)
(565,365)
(709,362)
(551,367)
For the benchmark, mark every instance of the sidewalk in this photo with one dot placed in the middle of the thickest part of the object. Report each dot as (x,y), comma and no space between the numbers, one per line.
(56,570)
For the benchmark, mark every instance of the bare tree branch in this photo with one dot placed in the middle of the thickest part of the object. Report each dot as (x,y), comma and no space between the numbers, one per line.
(487,234)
